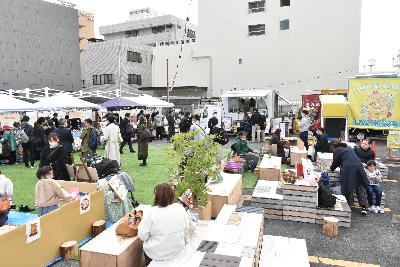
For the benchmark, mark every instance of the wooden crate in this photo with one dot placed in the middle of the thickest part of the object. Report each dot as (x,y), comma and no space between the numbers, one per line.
(300,203)
(265,196)
(270,168)
(296,155)
(283,251)
(204,212)
(108,249)
(229,192)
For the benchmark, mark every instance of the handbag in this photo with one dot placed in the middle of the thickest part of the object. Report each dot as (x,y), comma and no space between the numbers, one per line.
(128,226)
(4,204)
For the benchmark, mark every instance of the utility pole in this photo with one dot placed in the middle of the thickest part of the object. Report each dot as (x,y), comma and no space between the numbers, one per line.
(167,80)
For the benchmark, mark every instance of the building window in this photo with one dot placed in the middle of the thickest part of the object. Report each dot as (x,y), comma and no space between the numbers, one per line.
(134,79)
(285,3)
(133,33)
(134,57)
(97,80)
(258,6)
(258,29)
(158,29)
(83,84)
(284,25)
(108,78)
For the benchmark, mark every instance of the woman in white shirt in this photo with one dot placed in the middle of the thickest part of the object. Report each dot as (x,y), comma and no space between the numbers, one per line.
(164,229)
(6,191)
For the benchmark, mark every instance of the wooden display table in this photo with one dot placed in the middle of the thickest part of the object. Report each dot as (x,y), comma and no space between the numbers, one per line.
(296,155)
(109,249)
(229,191)
(270,168)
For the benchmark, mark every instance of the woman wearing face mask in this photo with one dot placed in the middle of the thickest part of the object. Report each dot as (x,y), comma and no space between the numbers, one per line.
(56,158)
(48,192)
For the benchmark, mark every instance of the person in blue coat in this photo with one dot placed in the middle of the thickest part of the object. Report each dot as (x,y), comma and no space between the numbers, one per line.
(352,173)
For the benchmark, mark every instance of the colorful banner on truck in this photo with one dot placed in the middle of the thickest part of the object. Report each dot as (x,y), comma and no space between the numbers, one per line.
(312,103)
(374,103)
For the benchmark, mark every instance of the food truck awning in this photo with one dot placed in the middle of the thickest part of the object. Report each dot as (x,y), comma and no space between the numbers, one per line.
(334,106)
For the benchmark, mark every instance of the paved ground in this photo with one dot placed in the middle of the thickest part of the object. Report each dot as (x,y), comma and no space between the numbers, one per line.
(372,239)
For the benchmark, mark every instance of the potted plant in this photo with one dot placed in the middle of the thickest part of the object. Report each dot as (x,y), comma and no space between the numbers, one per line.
(194,163)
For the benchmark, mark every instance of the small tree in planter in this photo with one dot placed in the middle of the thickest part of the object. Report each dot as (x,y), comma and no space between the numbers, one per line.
(194,164)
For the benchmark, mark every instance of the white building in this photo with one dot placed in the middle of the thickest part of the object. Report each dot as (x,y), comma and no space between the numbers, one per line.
(152,30)
(123,61)
(290,46)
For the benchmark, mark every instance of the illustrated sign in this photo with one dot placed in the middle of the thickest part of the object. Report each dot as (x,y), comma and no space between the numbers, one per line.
(33,231)
(118,187)
(312,103)
(374,103)
(84,204)
(393,140)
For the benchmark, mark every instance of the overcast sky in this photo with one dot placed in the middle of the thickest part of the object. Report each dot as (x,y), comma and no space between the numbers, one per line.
(380,38)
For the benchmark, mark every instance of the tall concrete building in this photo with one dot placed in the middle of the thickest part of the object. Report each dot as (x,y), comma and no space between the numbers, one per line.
(151,29)
(116,64)
(291,46)
(124,59)
(39,45)
(86,28)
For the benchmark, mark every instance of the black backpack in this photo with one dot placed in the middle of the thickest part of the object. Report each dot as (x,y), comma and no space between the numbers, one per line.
(221,137)
(326,199)
(94,139)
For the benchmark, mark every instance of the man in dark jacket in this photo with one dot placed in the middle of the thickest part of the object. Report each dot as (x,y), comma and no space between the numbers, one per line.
(352,174)
(171,125)
(244,151)
(66,139)
(40,140)
(186,123)
(256,121)
(322,144)
(280,145)
(364,151)
(28,148)
(126,132)
(55,120)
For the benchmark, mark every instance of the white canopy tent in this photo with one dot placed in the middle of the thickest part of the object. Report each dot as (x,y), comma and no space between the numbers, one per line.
(63,101)
(9,103)
(150,102)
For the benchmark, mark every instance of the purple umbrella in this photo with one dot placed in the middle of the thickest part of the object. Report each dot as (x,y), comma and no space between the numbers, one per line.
(119,103)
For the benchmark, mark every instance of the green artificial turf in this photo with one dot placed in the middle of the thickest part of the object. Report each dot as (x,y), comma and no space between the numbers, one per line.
(249,179)
(144,178)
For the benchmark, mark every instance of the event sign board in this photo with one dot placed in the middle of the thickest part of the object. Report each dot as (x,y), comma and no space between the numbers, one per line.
(374,103)
(312,103)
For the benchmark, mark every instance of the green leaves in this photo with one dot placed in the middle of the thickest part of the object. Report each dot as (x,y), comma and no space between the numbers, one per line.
(194,164)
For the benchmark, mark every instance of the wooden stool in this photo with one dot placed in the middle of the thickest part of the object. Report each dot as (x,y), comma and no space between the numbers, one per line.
(98,227)
(69,250)
(331,226)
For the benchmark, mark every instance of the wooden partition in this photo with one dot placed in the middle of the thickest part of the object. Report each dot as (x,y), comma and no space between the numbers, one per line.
(61,225)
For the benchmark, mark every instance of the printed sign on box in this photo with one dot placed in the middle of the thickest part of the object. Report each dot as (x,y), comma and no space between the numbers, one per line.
(33,231)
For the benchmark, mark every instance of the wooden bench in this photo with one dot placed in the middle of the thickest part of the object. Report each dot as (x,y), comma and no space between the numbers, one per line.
(109,249)
(229,192)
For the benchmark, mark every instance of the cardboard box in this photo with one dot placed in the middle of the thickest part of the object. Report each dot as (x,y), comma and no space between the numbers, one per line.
(270,168)
(296,155)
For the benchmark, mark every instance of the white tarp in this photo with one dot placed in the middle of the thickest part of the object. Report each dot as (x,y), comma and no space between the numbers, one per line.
(63,101)
(9,103)
(150,102)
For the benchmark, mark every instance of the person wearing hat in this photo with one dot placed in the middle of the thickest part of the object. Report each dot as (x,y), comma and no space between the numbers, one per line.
(186,200)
